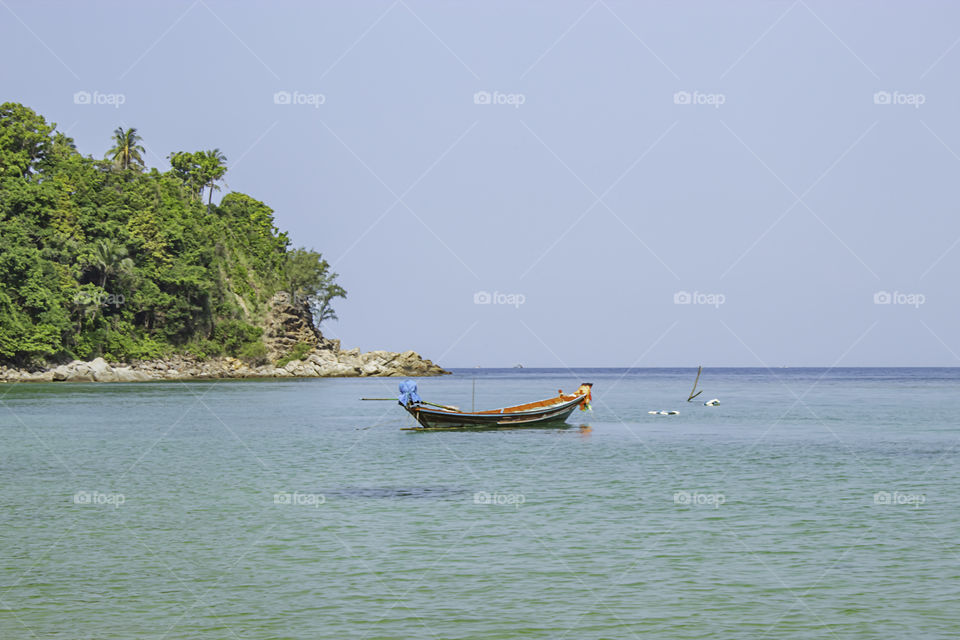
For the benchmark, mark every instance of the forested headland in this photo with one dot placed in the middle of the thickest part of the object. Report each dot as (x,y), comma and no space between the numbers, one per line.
(105,257)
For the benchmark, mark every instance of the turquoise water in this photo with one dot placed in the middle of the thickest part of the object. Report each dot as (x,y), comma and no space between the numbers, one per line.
(809,504)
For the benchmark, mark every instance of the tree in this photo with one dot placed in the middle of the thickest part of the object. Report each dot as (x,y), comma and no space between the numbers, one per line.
(185,167)
(213,167)
(199,170)
(126,150)
(309,278)
(110,259)
(24,139)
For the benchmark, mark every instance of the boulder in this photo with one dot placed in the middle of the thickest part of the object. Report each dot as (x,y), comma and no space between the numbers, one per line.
(61,373)
(126,374)
(79,372)
(322,358)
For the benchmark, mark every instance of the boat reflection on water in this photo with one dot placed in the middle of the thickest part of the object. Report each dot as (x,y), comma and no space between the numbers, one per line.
(585,430)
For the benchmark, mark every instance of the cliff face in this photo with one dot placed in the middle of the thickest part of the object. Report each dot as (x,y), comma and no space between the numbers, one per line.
(290,323)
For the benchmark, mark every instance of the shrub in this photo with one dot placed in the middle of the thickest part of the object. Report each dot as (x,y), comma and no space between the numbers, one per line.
(299,351)
(254,353)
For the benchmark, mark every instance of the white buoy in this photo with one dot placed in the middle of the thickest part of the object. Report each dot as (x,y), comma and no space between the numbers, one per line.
(653,413)
(711,403)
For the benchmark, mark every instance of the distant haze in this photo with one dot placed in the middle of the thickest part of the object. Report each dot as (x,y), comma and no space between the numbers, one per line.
(560,183)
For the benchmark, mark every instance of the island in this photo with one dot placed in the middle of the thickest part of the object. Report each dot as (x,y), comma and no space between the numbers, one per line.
(113,272)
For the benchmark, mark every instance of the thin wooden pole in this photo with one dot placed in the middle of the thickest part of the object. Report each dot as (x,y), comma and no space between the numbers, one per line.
(692,394)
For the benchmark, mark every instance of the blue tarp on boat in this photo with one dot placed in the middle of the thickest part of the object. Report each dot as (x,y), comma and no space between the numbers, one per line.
(408,393)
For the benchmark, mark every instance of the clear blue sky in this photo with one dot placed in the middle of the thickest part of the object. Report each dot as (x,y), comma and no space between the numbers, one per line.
(590,188)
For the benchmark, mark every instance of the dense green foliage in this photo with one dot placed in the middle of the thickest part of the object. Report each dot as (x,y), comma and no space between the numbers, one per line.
(103,257)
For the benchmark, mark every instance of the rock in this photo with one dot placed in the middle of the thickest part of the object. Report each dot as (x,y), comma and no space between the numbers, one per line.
(305,371)
(289,323)
(126,374)
(322,358)
(341,370)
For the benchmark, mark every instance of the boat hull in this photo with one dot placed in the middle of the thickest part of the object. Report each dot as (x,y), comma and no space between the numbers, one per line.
(440,419)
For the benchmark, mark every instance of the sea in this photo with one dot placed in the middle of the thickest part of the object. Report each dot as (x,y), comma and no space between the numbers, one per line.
(808,503)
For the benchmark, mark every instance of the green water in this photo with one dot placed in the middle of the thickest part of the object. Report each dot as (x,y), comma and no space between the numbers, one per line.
(290,509)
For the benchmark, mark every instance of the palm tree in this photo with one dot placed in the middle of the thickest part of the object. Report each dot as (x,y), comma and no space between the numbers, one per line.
(214,166)
(126,151)
(110,259)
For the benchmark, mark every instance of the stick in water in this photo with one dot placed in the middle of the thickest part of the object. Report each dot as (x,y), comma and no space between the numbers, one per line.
(692,394)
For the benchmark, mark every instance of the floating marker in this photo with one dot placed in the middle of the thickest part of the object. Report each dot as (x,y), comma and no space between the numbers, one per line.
(711,403)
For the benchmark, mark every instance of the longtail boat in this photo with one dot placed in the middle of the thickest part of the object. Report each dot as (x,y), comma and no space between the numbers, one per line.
(435,416)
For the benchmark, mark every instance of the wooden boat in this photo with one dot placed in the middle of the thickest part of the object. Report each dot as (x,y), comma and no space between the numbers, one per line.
(556,409)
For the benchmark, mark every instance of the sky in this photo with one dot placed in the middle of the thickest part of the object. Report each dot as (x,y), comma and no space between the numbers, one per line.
(560,184)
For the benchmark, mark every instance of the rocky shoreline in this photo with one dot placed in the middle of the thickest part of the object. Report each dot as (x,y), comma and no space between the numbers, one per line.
(288,325)
(322,363)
